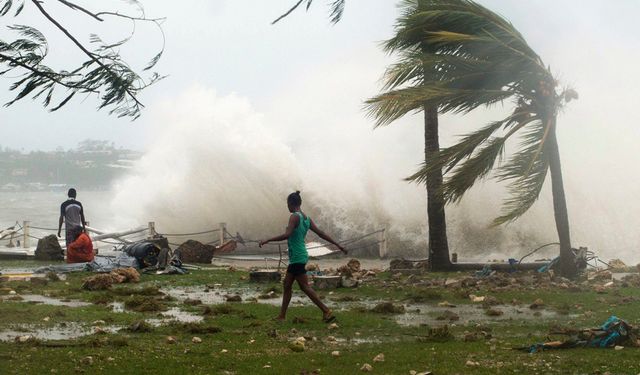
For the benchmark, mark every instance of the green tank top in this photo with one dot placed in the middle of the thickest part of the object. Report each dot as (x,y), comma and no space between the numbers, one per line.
(295,242)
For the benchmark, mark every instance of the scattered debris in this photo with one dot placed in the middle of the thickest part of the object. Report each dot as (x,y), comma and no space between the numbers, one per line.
(613,333)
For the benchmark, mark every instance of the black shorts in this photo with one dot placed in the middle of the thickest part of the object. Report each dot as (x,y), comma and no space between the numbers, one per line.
(297,269)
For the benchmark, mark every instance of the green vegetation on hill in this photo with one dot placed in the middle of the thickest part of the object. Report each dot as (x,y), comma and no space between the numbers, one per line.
(91,165)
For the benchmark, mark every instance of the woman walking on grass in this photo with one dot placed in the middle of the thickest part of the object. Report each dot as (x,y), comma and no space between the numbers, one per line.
(299,224)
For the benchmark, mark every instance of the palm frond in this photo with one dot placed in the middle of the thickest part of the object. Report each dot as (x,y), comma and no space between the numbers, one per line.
(392,105)
(527,171)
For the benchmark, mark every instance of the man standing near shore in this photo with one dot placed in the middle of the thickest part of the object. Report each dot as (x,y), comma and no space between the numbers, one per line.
(72,214)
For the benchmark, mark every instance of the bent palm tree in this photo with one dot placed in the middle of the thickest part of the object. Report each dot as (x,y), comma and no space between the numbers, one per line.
(481,59)
(404,82)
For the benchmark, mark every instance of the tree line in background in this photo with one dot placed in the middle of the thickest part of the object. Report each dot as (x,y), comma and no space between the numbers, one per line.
(94,164)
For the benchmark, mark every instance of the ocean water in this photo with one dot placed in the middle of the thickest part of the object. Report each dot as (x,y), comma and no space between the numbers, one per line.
(42,209)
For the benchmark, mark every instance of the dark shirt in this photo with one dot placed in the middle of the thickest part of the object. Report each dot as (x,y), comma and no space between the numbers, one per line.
(72,212)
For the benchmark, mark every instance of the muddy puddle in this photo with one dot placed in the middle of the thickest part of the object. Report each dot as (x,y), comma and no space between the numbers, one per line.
(175,315)
(36,298)
(435,315)
(219,295)
(63,331)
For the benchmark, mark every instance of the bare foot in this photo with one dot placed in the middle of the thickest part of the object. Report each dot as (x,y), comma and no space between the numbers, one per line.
(328,317)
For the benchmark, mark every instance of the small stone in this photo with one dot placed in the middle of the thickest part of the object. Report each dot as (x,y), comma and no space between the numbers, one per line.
(233,298)
(301,339)
(46,319)
(88,360)
(618,347)
(110,359)
(25,338)
(266,366)
(251,341)
(171,339)
(413,372)
(379,358)
(196,340)
(224,351)
(297,346)
(99,323)
(446,304)
(335,353)
(366,368)
(471,363)
(331,339)
(538,303)
(12,292)
(333,326)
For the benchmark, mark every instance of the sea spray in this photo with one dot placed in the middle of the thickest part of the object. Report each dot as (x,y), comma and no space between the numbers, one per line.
(215,159)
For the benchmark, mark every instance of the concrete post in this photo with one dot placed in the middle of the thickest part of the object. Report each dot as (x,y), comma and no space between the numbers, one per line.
(223,227)
(383,243)
(25,231)
(152,229)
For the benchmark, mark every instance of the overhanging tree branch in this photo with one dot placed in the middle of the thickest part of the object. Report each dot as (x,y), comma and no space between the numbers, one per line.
(83,49)
(104,72)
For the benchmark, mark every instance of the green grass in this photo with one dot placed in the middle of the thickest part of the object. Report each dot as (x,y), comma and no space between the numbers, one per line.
(252,340)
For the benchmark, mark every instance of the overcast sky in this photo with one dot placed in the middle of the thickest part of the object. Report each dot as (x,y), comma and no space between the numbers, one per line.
(231,47)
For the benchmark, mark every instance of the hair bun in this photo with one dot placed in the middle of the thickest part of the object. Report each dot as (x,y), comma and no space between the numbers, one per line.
(298,192)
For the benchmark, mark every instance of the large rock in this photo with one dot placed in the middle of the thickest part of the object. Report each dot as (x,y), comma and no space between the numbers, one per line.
(195,252)
(48,248)
(326,282)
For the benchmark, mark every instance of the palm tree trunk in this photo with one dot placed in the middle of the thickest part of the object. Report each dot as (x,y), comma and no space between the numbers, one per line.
(566,264)
(438,245)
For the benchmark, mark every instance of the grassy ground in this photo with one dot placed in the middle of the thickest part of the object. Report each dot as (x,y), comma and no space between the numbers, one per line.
(241,338)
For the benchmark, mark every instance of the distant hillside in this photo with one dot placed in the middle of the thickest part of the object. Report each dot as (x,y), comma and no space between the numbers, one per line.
(92,165)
